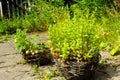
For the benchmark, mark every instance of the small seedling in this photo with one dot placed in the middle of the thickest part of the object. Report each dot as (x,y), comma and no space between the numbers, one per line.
(22,61)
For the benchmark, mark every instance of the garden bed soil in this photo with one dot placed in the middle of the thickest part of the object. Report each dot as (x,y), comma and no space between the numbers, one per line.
(43,57)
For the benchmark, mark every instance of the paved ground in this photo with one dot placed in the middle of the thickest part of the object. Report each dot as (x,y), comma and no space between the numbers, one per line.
(9,57)
(112,69)
(11,70)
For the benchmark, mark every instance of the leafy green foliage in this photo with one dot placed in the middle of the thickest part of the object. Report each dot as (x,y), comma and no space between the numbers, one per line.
(97,7)
(5,38)
(116,49)
(76,39)
(22,42)
(57,3)
(110,34)
(46,74)
(85,13)
(38,17)
(104,46)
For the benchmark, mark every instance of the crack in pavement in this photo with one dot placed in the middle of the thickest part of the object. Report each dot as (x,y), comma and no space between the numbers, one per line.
(8,54)
(8,66)
(2,62)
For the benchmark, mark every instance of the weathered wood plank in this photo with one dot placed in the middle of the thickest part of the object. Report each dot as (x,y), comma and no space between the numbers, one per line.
(9,7)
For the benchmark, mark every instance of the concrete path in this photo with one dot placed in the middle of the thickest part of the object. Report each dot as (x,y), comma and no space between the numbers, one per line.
(11,70)
(112,69)
(9,57)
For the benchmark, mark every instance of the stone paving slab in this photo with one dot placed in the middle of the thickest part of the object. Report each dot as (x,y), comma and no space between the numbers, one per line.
(9,69)
(7,48)
(112,71)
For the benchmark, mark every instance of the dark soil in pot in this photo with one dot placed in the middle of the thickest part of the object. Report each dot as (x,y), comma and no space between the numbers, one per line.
(43,57)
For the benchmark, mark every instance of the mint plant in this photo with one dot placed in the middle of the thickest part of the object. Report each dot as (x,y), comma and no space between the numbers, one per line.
(75,40)
(22,42)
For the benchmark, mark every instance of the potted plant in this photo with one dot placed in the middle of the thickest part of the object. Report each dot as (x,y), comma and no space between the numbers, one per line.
(75,47)
(33,52)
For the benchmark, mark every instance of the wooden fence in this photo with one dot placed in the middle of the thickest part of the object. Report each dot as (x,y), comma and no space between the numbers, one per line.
(9,7)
